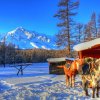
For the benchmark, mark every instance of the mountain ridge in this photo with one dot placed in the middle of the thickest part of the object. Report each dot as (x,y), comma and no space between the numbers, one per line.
(26,39)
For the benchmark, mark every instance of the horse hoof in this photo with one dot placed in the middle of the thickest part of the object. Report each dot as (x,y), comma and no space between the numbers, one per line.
(88,95)
(97,95)
(93,96)
(67,85)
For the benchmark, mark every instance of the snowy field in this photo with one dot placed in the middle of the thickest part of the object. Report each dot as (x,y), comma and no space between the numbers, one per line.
(37,84)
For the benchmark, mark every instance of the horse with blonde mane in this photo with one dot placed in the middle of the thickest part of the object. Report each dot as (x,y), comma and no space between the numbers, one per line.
(71,69)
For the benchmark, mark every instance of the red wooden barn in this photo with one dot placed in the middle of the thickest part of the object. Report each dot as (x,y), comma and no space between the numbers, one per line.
(88,49)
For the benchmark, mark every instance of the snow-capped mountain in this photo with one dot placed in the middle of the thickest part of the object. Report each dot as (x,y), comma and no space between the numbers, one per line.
(25,39)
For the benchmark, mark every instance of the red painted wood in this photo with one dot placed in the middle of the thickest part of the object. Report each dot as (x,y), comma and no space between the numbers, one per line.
(91,52)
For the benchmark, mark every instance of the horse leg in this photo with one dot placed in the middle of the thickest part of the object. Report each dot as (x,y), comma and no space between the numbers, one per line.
(85,86)
(86,89)
(97,94)
(93,92)
(70,81)
(67,80)
(73,80)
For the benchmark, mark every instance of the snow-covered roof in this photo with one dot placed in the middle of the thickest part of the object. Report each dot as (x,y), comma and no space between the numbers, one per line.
(87,45)
(56,59)
(72,59)
(59,59)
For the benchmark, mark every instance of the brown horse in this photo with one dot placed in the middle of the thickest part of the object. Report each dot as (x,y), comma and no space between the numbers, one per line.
(70,69)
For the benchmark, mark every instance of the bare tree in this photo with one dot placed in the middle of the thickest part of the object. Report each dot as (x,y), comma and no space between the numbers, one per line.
(93,25)
(90,30)
(67,9)
(98,30)
(79,31)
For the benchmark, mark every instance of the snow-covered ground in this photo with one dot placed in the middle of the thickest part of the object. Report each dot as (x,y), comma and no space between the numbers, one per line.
(37,84)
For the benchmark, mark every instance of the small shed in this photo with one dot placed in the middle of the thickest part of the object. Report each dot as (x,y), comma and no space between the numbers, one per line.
(54,62)
(88,49)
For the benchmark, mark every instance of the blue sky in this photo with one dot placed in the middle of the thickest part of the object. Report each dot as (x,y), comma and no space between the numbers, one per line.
(37,15)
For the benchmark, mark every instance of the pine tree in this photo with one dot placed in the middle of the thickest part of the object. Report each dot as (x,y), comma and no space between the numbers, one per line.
(2,51)
(65,13)
(10,53)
